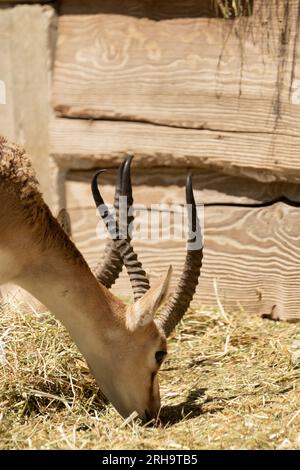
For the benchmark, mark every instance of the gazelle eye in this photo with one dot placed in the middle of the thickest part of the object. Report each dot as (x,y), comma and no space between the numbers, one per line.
(159,356)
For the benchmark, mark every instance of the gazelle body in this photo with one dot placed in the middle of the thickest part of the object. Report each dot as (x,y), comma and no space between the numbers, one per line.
(119,342)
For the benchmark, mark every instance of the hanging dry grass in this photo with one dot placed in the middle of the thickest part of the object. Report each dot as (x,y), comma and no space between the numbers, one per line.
(230,9)
(228,383)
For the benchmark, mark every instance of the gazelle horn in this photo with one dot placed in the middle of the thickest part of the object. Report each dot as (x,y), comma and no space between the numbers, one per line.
(186,288)
(137,275)
(109,269)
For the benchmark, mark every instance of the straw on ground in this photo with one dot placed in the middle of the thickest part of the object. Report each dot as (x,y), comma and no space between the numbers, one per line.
(224,385)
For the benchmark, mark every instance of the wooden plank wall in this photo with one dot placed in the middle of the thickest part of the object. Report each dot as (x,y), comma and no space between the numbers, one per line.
(223,76)
(164,63)
(254,255)
(85,144)
(184,91)
(27,43)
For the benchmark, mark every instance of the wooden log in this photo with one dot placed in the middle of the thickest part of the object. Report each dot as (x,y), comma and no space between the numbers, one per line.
(83,144)
(209,186)
(189,72)
(253,255)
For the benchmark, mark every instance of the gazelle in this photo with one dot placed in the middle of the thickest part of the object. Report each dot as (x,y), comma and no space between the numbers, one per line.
(123,345)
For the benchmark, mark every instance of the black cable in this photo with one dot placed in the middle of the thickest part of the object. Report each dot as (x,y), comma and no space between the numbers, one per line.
(254,205)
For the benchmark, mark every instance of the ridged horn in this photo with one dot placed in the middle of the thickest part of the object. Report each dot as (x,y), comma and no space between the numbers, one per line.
(137,275)
(188,282)
(109,269)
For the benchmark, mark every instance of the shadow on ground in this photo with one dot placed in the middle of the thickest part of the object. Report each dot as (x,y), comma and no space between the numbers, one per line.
(188,409)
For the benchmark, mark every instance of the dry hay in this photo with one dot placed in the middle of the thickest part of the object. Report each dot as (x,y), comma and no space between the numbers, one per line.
(230,9)
(228,383)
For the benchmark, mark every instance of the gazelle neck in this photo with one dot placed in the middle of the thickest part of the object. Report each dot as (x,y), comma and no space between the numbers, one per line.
(66,286)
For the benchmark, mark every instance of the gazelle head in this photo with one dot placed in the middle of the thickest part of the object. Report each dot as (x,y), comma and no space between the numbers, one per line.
(140,346)
(135,351)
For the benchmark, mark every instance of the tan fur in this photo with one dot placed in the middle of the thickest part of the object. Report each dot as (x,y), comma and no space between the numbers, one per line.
(37,254)
(19,185)
(16,171)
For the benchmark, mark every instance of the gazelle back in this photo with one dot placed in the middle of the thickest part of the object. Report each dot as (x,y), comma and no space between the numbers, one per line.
(123,345)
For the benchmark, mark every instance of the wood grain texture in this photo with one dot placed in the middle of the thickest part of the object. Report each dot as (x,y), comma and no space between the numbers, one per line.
(25,65)
(84,144)
(7,124)
(253,254)
(189,72)
(161,185)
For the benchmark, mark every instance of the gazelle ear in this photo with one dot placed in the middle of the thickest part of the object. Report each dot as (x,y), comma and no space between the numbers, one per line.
(65,221)
(143,310)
